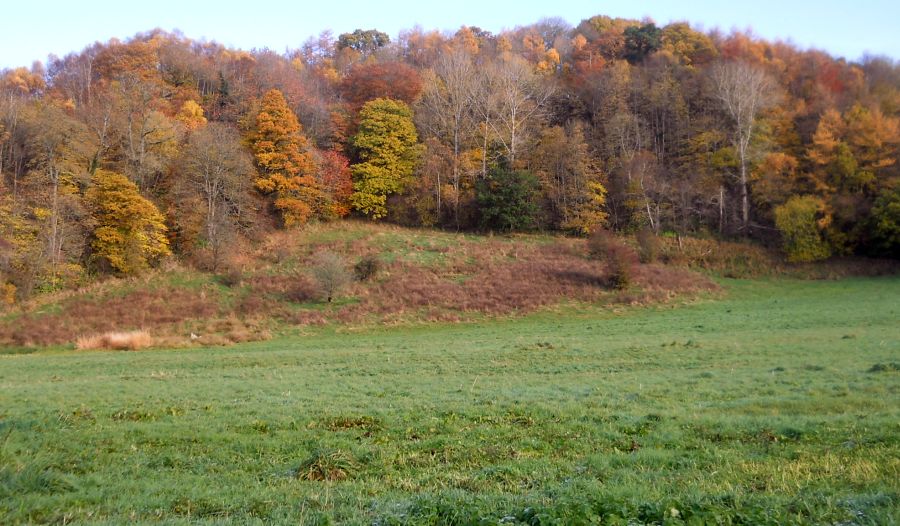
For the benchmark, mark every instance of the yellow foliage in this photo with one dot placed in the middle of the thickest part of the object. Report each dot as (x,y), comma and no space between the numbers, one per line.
(130,232)
(591,216)
(7,293)
(191,115)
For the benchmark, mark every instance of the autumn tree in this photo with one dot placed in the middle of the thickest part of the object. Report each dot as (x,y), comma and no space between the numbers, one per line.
(446,112)
(336,181)
(59,145)
(129,231)
(217,172)
(285,166)
(386,148)
(744,91)
(562,162)
(381,80)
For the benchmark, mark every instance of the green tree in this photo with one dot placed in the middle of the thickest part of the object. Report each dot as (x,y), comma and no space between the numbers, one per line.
(886,221)
(801,224)
(507,199)
(129,233)
(386,148)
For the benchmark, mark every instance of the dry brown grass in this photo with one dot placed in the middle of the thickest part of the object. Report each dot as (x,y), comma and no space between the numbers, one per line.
(117,341)
(160,309)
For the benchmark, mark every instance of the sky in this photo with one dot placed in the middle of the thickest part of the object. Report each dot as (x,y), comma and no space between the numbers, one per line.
(34,29)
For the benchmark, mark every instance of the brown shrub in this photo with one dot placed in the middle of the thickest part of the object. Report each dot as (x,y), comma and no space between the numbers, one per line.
(618,257)
(648,245)
(119,341)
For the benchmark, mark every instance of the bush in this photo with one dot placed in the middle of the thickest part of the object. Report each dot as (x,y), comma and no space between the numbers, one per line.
(367,267)
(801,229)
(619,258)
(330,274)
(231,275)
(648,246)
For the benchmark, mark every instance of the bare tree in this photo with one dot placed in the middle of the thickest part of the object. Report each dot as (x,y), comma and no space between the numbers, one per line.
(744,90)
(217,170)
(446,110)
(331,274)
(511,95)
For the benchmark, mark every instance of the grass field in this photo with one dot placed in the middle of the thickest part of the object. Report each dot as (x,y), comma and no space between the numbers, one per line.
(778,402)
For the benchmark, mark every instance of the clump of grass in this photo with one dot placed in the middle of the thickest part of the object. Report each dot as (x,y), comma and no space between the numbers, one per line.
(328,465)
(890,367)
(116,340)
(367,423)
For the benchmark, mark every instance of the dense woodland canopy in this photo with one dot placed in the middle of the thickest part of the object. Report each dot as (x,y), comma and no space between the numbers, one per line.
(119,155)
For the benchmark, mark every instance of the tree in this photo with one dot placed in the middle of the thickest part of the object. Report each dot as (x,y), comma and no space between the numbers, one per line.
(509,98)
(507,199)
(886,222)
(386,148)
(382,80)
(801,223)
(129,233)
(641,41)
(362,41)
(336,181)
(562,162)
(330,273)
(446,112)
(217,172)
(744,91)
(60,148)
(286,167)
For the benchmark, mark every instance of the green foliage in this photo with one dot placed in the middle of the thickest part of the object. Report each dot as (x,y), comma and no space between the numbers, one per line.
(886,221)
(801,223)
(364,41)
(386,148)
(641,41)
(130,232)
(507,200)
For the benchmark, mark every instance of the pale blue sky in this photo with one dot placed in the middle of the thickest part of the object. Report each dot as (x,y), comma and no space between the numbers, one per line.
(33,29)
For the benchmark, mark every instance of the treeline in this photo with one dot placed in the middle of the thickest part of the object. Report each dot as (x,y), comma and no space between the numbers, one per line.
(114,157)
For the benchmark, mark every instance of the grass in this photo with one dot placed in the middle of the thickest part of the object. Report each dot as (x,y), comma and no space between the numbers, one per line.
(778,403)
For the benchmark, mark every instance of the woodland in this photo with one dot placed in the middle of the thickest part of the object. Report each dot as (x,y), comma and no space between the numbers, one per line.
(128,153)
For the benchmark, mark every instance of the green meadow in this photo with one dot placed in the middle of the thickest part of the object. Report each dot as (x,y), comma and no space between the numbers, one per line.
(774,402)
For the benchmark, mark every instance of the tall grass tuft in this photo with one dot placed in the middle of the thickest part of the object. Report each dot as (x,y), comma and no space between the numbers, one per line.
(116,340)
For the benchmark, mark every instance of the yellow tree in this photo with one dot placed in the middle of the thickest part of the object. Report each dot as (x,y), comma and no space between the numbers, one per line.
(129,232)
(285,166)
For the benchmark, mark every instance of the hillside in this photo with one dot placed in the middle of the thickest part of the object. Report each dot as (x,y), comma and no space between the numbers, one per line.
(417,276)
(124,153)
